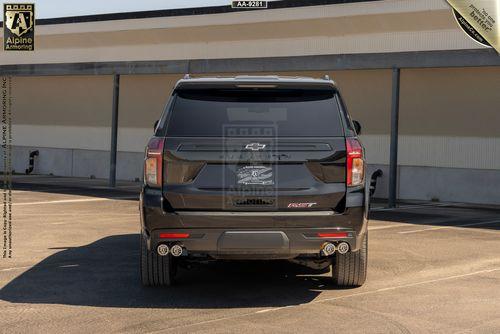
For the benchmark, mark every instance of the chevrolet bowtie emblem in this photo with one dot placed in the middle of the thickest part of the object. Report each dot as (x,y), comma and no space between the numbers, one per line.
(255,146)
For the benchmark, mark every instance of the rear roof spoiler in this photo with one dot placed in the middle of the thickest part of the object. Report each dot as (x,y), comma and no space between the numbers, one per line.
(248,81)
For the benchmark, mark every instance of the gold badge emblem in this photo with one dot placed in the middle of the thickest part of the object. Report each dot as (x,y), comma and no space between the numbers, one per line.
(480,19)
(19,27)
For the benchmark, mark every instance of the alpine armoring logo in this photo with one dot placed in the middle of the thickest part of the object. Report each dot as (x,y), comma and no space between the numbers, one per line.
(19,27)
(255,175)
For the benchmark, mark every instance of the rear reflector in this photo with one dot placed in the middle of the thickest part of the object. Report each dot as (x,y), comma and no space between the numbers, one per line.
(174,235)
(333,235)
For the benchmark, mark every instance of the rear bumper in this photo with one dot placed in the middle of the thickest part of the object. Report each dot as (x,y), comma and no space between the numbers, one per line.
(269,243)
(250,234)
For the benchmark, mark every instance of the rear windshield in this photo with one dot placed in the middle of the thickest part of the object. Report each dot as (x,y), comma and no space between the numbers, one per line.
(255,113)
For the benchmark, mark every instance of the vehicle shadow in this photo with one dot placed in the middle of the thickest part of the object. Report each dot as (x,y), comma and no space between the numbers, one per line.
(105,274)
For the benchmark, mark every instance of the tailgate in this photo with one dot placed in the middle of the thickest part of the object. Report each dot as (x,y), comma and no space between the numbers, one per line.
(255,174)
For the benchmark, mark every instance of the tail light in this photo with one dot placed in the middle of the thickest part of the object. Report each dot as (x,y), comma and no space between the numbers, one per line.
(153,163)
(355,162)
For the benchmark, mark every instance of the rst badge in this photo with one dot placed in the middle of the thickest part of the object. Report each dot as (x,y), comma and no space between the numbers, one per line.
(19,27)
(302,205)
(255,175)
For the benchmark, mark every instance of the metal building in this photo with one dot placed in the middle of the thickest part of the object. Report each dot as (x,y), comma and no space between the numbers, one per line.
(402,65)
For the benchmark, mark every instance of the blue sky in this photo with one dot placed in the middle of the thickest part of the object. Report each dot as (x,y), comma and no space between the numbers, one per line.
(61,8)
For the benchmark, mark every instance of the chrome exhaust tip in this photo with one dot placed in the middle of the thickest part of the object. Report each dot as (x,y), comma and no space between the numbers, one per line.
(343,247)
(328,249)
(176,250)
(162,249)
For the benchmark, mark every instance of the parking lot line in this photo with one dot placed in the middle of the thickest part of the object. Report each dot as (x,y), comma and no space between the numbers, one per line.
(371,228)
(76,200)
(364,293)
(48,265)
(450,227)
(53,190)
(415,206)
(409,285)
(15,268)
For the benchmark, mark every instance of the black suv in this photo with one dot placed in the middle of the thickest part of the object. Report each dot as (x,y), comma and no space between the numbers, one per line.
(255,168)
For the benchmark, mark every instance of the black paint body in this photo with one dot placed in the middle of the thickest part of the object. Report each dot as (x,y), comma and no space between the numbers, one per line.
(201,196)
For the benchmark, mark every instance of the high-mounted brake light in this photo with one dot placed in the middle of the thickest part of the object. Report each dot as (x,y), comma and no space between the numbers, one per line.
(153,162)
(355,162)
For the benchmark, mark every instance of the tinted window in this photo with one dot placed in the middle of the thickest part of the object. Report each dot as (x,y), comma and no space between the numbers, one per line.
(255,113)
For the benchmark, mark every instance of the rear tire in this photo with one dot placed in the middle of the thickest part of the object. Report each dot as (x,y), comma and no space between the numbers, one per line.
(349,270)
(156,270)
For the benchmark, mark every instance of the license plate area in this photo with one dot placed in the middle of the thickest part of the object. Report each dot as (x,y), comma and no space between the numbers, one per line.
(254,175)
(256,241)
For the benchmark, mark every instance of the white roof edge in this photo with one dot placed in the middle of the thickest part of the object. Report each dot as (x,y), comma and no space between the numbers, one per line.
(256,79)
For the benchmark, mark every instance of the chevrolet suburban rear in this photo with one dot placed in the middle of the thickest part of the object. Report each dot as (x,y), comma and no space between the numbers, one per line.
(254,168)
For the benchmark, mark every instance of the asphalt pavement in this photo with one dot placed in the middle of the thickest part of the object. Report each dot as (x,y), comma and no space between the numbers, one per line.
(432,268)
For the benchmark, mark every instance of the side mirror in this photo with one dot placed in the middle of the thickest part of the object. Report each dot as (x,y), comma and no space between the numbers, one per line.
(357,127)
(155,125)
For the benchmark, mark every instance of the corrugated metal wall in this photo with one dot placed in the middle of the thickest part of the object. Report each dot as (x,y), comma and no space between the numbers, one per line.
(448,117)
